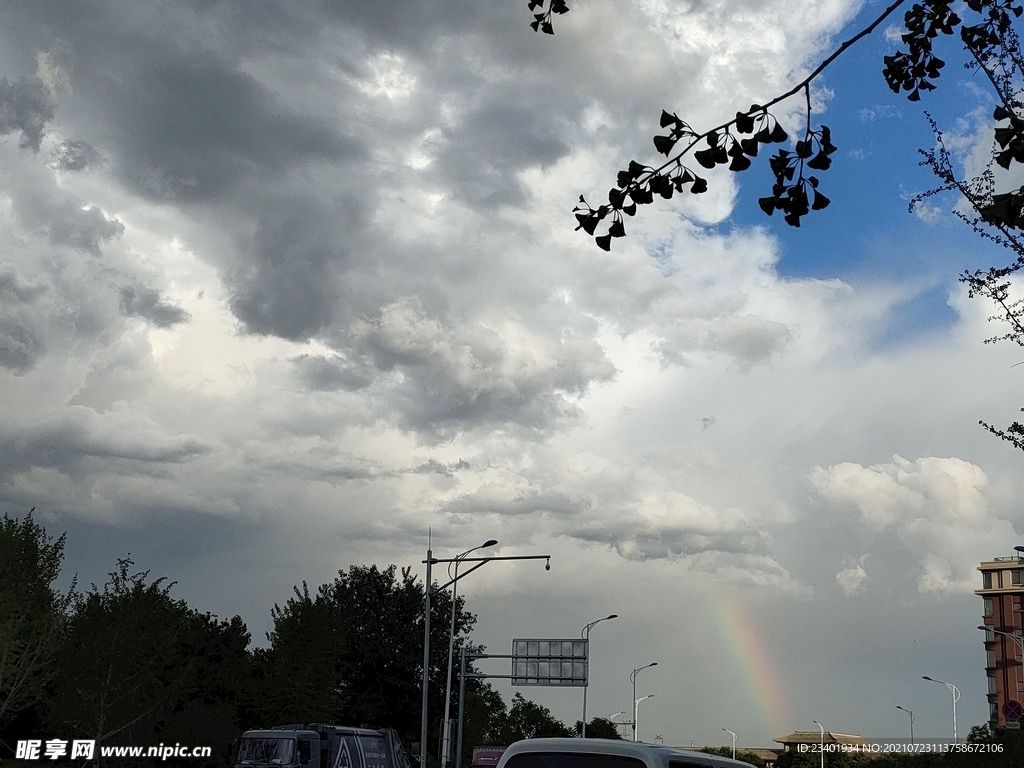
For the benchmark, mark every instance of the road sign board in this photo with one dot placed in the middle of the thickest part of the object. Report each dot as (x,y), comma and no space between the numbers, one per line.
(549,662)
(1012,710)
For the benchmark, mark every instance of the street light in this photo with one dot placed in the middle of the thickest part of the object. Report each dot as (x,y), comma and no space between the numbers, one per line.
(613,715)
(822,741)
(955,692)
(911,722)
(632,679)
(1017,639)
(585,634)
(428,588)
(636,712)
(446,736)
(733,742)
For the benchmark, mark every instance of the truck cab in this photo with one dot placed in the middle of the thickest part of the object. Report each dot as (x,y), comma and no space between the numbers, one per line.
(318,745)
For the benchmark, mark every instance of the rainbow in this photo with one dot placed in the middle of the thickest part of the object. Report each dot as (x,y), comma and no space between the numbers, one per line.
(741,636)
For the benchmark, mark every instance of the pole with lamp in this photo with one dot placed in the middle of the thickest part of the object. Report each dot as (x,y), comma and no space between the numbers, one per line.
(632,679)
(733,742)
(955,692)
(636,713)
(585,634)
(822,747)
(911,722)
(1018,641)
(446,738)
(428,589)
(613,715)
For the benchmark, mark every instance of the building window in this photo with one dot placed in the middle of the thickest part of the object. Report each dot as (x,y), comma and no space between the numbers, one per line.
(988,606)
(990,659)
(986,580)
(991,684)
(990,636)
(1016,603)
(993,711)
(1015,578)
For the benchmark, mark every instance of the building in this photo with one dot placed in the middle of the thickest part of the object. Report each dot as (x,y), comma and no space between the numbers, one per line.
(1002,589)
(794,741)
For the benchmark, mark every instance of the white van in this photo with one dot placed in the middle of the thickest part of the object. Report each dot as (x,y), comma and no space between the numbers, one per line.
(606,753)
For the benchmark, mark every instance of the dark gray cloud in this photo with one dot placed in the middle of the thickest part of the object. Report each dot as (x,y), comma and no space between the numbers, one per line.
(147,303)
(78,433)
(638,538)
(20,345)
(453,378)
(26,106)
(330,374)
(491,501)
(21,341)
(64,220)
(433,466)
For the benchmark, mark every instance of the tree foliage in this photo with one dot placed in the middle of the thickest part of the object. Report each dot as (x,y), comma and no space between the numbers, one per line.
(31,613)
(353,652)
(137,666)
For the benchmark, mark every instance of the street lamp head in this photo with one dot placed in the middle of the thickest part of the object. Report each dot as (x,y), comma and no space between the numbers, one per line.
(983,628)
(1019,548)
(653,664)
(925,677)
(547,565)
(613,616)
(489,543)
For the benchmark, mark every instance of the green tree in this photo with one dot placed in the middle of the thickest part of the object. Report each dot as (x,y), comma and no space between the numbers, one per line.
(598,728)
(353,653)
(746,757)
(140,667)
(529,720)
(32,613)
(119,671)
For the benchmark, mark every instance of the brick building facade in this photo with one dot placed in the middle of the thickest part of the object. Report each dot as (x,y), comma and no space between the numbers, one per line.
(1002,589)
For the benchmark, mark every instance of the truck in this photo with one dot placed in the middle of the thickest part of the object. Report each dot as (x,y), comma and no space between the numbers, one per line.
(319,745)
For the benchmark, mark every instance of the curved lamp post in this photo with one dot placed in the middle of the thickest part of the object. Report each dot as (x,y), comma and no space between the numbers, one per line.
(585,634)
(446,736)
(613,715)
(955,692)
(636,713)
(733,742)
(911,722)
(822,741)
(428,589)
(632,679)
(1017,639)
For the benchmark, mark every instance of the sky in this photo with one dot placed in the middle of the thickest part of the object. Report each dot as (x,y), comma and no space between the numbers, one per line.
(285,286)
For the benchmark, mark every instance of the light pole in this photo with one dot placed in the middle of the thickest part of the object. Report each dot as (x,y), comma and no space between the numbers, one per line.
(446,736)
(636,713)
(613,715)
(911,722)
(822,742)
(1017,639)
(733,742)
(585,634)
(428,589)
(632,679)
(955,692)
